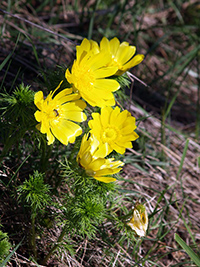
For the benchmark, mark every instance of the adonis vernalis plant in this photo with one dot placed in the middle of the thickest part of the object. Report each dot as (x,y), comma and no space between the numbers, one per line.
(93,79)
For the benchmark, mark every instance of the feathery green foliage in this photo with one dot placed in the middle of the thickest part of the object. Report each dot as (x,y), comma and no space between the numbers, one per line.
(34,192)
(18,106)
(4,245)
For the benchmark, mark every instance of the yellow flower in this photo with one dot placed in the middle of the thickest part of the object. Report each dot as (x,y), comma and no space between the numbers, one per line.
(113,129)
(97,167)
(139,221)
(56,115)
(122,54)
(89,72)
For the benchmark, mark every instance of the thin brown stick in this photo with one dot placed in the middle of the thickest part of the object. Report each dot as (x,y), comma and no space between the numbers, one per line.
(36,25)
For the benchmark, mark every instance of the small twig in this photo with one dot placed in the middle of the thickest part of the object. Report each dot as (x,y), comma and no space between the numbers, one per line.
(64,9)
(132,77)
(86,241)
(37,26)
(118,253)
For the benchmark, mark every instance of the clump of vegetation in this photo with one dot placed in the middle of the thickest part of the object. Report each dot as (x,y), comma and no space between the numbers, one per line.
(99,133)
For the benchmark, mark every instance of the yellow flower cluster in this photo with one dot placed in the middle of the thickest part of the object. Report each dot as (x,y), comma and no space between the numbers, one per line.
(95,63)
(91,79)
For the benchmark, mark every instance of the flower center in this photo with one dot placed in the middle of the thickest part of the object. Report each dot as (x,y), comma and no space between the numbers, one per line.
(56,112)
(52,111)
(84,78)
(110,134)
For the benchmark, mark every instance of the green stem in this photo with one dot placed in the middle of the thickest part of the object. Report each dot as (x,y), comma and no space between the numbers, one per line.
(92,20)
(60,238)
(32,237)
(13,138)
(46,153)
(43,155)
(163,136)
(197,130)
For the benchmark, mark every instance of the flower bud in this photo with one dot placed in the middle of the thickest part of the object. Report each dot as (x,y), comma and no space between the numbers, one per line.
(139,221)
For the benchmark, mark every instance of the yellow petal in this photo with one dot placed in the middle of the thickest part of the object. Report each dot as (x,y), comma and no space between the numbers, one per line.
(38,99)
(59,97)
(124,44)
(114,45)
(96,164)
(105,44)
(68,98)
(95,124)
(94,143)
(93,98)
(129,125)
(105,72)
(114,116)
(81,50)
(94,47)
(107,84)
(75,129)
(125,53)
(127,144)
(105,179)
(105,116)
(121,118)
(95,128)
(99,60)
(104,93)
(38,116)
(103,151)
(129,137)
(66,131)
(85,45)
(133,62)
(107,171)
(109,102)
(128,128)
(86,159)
(50,137)
(52,93)
(44,126)
(77,105)
(75,116)
(68,74)
(117,148)
(85,145)
(48,98)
